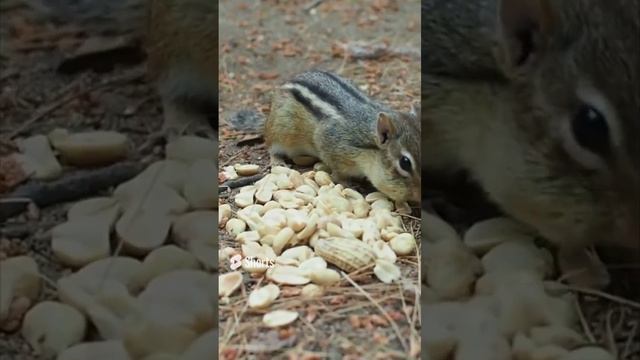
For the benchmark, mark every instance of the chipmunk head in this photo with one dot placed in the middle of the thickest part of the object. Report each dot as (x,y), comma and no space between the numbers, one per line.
(573,66)
(398,136)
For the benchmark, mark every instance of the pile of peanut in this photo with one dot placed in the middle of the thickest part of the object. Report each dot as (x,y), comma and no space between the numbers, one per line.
(291,225)
(489,296)
(141,262)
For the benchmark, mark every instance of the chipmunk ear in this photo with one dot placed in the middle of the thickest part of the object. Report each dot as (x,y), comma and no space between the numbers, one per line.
(524,27)
(386,129)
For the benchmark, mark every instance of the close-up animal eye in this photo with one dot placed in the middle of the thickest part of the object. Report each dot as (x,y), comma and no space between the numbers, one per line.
(591,131)
(405,164)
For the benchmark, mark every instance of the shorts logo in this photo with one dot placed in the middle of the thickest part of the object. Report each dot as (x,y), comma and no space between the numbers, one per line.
(236,262)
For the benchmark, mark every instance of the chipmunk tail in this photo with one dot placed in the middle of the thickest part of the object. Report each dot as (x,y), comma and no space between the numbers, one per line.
(246,120)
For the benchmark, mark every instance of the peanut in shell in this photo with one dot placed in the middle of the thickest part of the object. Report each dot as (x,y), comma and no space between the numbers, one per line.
(347,254)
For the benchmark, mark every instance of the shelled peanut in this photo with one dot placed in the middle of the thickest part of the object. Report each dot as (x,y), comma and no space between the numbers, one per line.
(286,209)
(291,225)
(114,302)
(490,294)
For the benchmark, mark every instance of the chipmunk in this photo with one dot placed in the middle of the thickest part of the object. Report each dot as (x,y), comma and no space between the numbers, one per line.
(320,115)
(555,146)
(182,47)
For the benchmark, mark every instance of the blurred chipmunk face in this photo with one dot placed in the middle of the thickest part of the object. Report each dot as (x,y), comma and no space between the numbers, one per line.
(576,85)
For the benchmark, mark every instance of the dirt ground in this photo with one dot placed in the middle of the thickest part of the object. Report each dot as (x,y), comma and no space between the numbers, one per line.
(261,45)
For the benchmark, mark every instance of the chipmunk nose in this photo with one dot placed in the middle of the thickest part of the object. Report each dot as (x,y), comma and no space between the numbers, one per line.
(417,192)
(416,196)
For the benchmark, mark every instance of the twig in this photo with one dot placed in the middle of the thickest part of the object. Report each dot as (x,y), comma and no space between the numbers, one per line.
(48,281)
(611,342)
(229,160)
(20,230)
(417,308)
(133,109)
(64,98)
(362,270)
(629,342)
(343,63)
(71,187)
(152,139)
(243,181)
(585,325)
(404,304)
(309,325)
(384,313)
(604,295)
(237,320)
(68,94)
(410,217)
(312,5)
(15,200)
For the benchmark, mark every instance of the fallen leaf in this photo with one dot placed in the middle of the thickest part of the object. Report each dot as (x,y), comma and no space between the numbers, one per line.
(268,75)
(286,333)
(355,321)
(290,291)
(229,354)
(11,173)
(379,320)
(396,315)
(380,339)
(338,300)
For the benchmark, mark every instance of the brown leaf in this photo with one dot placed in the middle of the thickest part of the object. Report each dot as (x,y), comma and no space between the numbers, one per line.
(11,173)
(229,354)
(355,321)
(260,87)
(312,314)
(286,333)
(367,323)
(380,339)
(379,320)
(384,5)
(396,315)
(311,357)
(290,51)
(268,75)
(337,50)
(290,291)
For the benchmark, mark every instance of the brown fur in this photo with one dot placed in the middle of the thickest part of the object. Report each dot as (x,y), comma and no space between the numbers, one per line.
(182,48)
(509,138)
(290,130)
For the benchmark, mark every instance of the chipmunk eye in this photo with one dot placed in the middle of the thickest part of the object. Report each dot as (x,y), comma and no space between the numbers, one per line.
(405,164)
(590,130)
